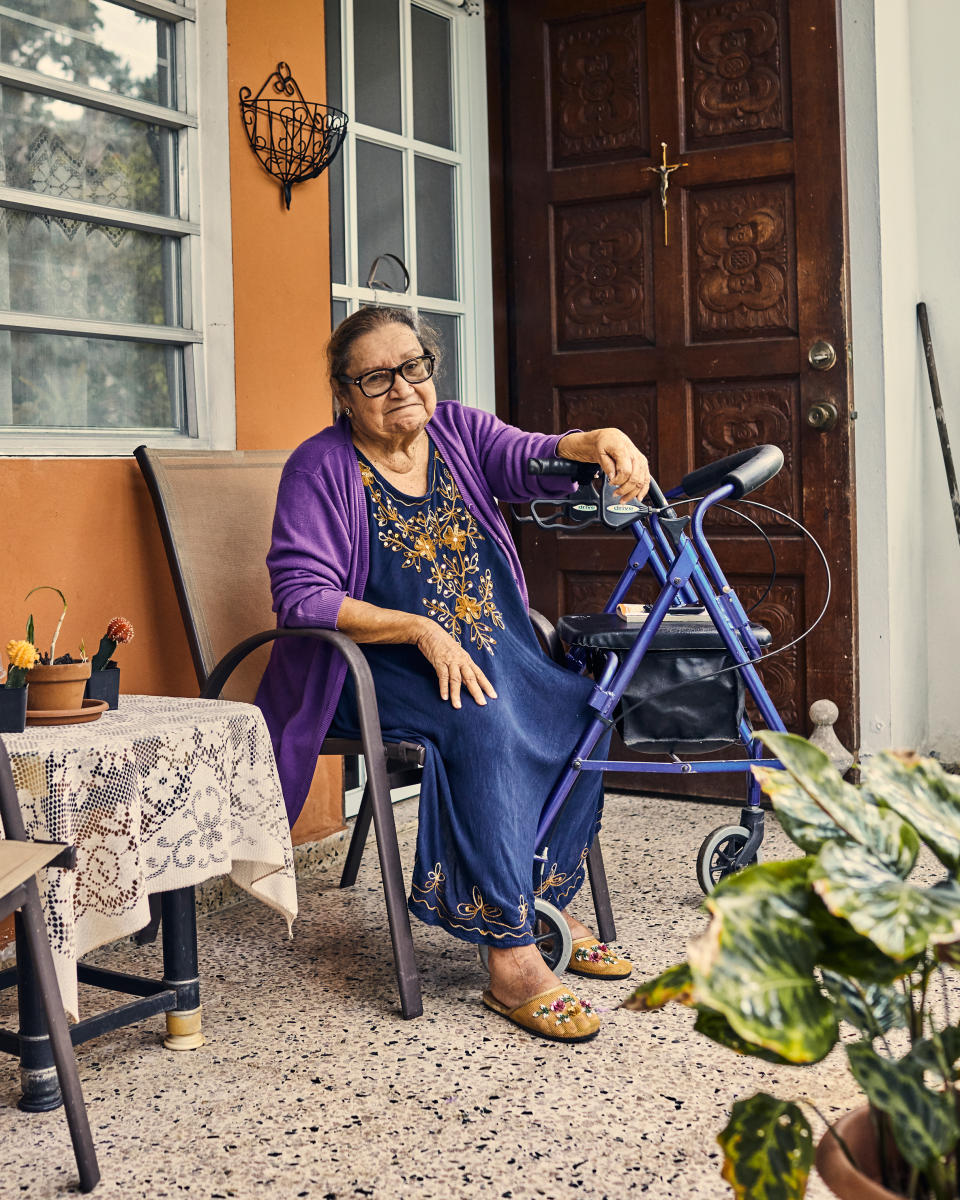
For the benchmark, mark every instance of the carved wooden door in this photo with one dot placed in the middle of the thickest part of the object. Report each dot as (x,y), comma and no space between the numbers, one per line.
(715,338)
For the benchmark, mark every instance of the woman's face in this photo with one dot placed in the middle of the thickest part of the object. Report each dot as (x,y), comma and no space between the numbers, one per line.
(405,409)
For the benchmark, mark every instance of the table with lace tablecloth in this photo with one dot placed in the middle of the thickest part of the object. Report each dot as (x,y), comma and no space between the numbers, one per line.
(156,796)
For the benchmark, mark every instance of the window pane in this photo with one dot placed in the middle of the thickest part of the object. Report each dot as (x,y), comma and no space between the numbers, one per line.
(338,312)
(379,204)
(50,380)
(432,109)
(94,43)
(71,151)
(68,268)
(376,57)
(338,248)
(447,377)
(436,231)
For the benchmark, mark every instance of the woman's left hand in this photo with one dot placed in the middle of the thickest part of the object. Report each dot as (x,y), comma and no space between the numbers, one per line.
(619,459)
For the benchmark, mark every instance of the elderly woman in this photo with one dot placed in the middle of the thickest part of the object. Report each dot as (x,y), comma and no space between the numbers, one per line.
(387,528)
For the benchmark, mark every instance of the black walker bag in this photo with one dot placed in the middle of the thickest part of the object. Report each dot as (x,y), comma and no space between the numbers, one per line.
(669,707)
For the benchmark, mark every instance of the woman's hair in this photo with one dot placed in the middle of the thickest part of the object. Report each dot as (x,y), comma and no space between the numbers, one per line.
(364,321)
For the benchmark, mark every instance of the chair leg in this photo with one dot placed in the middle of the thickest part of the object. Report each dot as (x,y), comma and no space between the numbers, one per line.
(394,891)
(63,1055)
(361,827)
(606,929)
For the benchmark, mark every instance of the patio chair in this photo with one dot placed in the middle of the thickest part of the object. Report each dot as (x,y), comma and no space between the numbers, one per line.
(216,550)
(20,860)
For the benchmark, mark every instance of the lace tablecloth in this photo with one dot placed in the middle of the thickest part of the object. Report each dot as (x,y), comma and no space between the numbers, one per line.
(160,794)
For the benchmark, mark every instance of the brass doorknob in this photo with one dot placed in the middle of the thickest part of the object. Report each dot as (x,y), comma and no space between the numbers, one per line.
(822,416)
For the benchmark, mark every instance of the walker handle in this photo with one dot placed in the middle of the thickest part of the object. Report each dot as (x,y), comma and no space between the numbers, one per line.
(580,471)
(745,472)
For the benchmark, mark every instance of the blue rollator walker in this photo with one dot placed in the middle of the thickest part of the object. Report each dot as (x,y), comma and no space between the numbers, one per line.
(675,682)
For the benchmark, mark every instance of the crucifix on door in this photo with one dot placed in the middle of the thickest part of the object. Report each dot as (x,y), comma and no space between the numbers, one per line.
(665,170)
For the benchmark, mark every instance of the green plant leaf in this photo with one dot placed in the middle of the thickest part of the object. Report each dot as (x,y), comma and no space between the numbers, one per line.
(899,918)
(868,1008)
(923,1121)
(926,1053)
(848,817)
(850,953)
(754,964)
(767,1149)
(921,792)
(673,984)
(718,1029)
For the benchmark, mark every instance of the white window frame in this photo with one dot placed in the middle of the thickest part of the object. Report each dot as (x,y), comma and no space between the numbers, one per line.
(204,233)
(472,198)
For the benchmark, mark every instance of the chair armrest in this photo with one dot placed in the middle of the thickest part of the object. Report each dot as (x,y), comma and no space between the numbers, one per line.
(370,733)
(548,636)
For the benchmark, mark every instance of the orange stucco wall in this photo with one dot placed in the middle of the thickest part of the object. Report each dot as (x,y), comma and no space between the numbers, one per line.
(86,525)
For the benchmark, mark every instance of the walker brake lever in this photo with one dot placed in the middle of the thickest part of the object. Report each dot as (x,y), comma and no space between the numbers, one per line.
(614,513)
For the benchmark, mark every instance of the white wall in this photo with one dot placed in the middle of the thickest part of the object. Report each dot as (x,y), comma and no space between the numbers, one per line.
(904,245)
(934,30)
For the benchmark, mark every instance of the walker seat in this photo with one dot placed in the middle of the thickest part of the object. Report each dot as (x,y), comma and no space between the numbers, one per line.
(677,701)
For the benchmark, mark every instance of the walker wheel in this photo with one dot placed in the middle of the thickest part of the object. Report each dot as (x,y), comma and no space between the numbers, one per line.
(551,934)
(719,855)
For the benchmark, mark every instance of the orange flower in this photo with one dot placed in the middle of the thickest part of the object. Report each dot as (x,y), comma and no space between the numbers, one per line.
(120,631)
(454,538)
(424,547)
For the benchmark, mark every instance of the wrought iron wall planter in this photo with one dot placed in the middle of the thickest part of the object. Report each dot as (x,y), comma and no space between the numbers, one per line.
(294,139)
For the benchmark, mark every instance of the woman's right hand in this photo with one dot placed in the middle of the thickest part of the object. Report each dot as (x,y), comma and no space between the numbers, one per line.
(454,667)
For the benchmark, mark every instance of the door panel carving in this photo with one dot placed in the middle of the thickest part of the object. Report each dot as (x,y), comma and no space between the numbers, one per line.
(632,408)
(734,416)
(604,272)
(743,262)
(598,88)
(782,675)
(736,71)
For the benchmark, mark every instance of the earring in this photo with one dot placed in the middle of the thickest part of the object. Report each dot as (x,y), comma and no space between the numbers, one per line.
(347,412)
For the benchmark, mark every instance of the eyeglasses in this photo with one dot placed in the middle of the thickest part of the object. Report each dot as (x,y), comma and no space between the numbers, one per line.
(379,382)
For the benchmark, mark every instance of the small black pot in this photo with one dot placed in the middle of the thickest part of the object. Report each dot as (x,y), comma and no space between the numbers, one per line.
(13,709)
(104,685)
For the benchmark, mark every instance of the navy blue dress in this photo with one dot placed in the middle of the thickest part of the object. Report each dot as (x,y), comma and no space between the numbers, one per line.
(489,769)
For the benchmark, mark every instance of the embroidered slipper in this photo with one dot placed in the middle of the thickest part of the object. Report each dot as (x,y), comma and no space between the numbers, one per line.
(557,1015)
(596,960)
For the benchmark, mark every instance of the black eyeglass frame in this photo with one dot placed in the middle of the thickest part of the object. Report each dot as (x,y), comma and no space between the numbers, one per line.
(400,369)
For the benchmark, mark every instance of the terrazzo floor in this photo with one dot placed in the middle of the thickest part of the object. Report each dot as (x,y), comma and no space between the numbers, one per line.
(311,1085)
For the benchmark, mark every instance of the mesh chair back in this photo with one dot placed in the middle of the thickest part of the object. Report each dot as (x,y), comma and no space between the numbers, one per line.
(216,512)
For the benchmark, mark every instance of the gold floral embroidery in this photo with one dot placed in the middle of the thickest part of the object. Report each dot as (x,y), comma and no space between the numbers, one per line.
(467,914)
(556,879)
(445,537)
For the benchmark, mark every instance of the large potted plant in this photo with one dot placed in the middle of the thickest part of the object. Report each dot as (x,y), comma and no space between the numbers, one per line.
(843,934)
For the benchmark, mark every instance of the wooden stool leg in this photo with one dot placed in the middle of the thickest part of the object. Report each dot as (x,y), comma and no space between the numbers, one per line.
(66,1063)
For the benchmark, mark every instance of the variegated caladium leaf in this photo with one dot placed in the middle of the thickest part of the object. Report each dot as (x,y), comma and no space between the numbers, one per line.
(923,1120)
(900,919)
(847,952)
(718,1029)
(755,963)
(851,816)
(767,1149)
(920,791)
(674,983)
(869,1008)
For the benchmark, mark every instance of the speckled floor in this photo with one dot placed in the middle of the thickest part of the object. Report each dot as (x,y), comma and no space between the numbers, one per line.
(311,1085)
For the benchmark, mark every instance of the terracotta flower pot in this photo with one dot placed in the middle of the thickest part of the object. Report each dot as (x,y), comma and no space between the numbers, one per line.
(857,1130)
(58,687)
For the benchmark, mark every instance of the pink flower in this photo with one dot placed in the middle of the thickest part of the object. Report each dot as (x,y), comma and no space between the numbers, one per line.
(559,1005)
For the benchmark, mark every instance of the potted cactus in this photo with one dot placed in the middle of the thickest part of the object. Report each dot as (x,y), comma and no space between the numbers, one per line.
(104,681)
(21,656)
(842,934)
(55,683)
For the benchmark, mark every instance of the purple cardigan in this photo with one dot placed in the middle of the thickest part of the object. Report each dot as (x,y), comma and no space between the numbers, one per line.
(320,554)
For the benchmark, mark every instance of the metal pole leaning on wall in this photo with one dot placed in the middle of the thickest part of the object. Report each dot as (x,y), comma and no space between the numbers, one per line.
(938,410)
